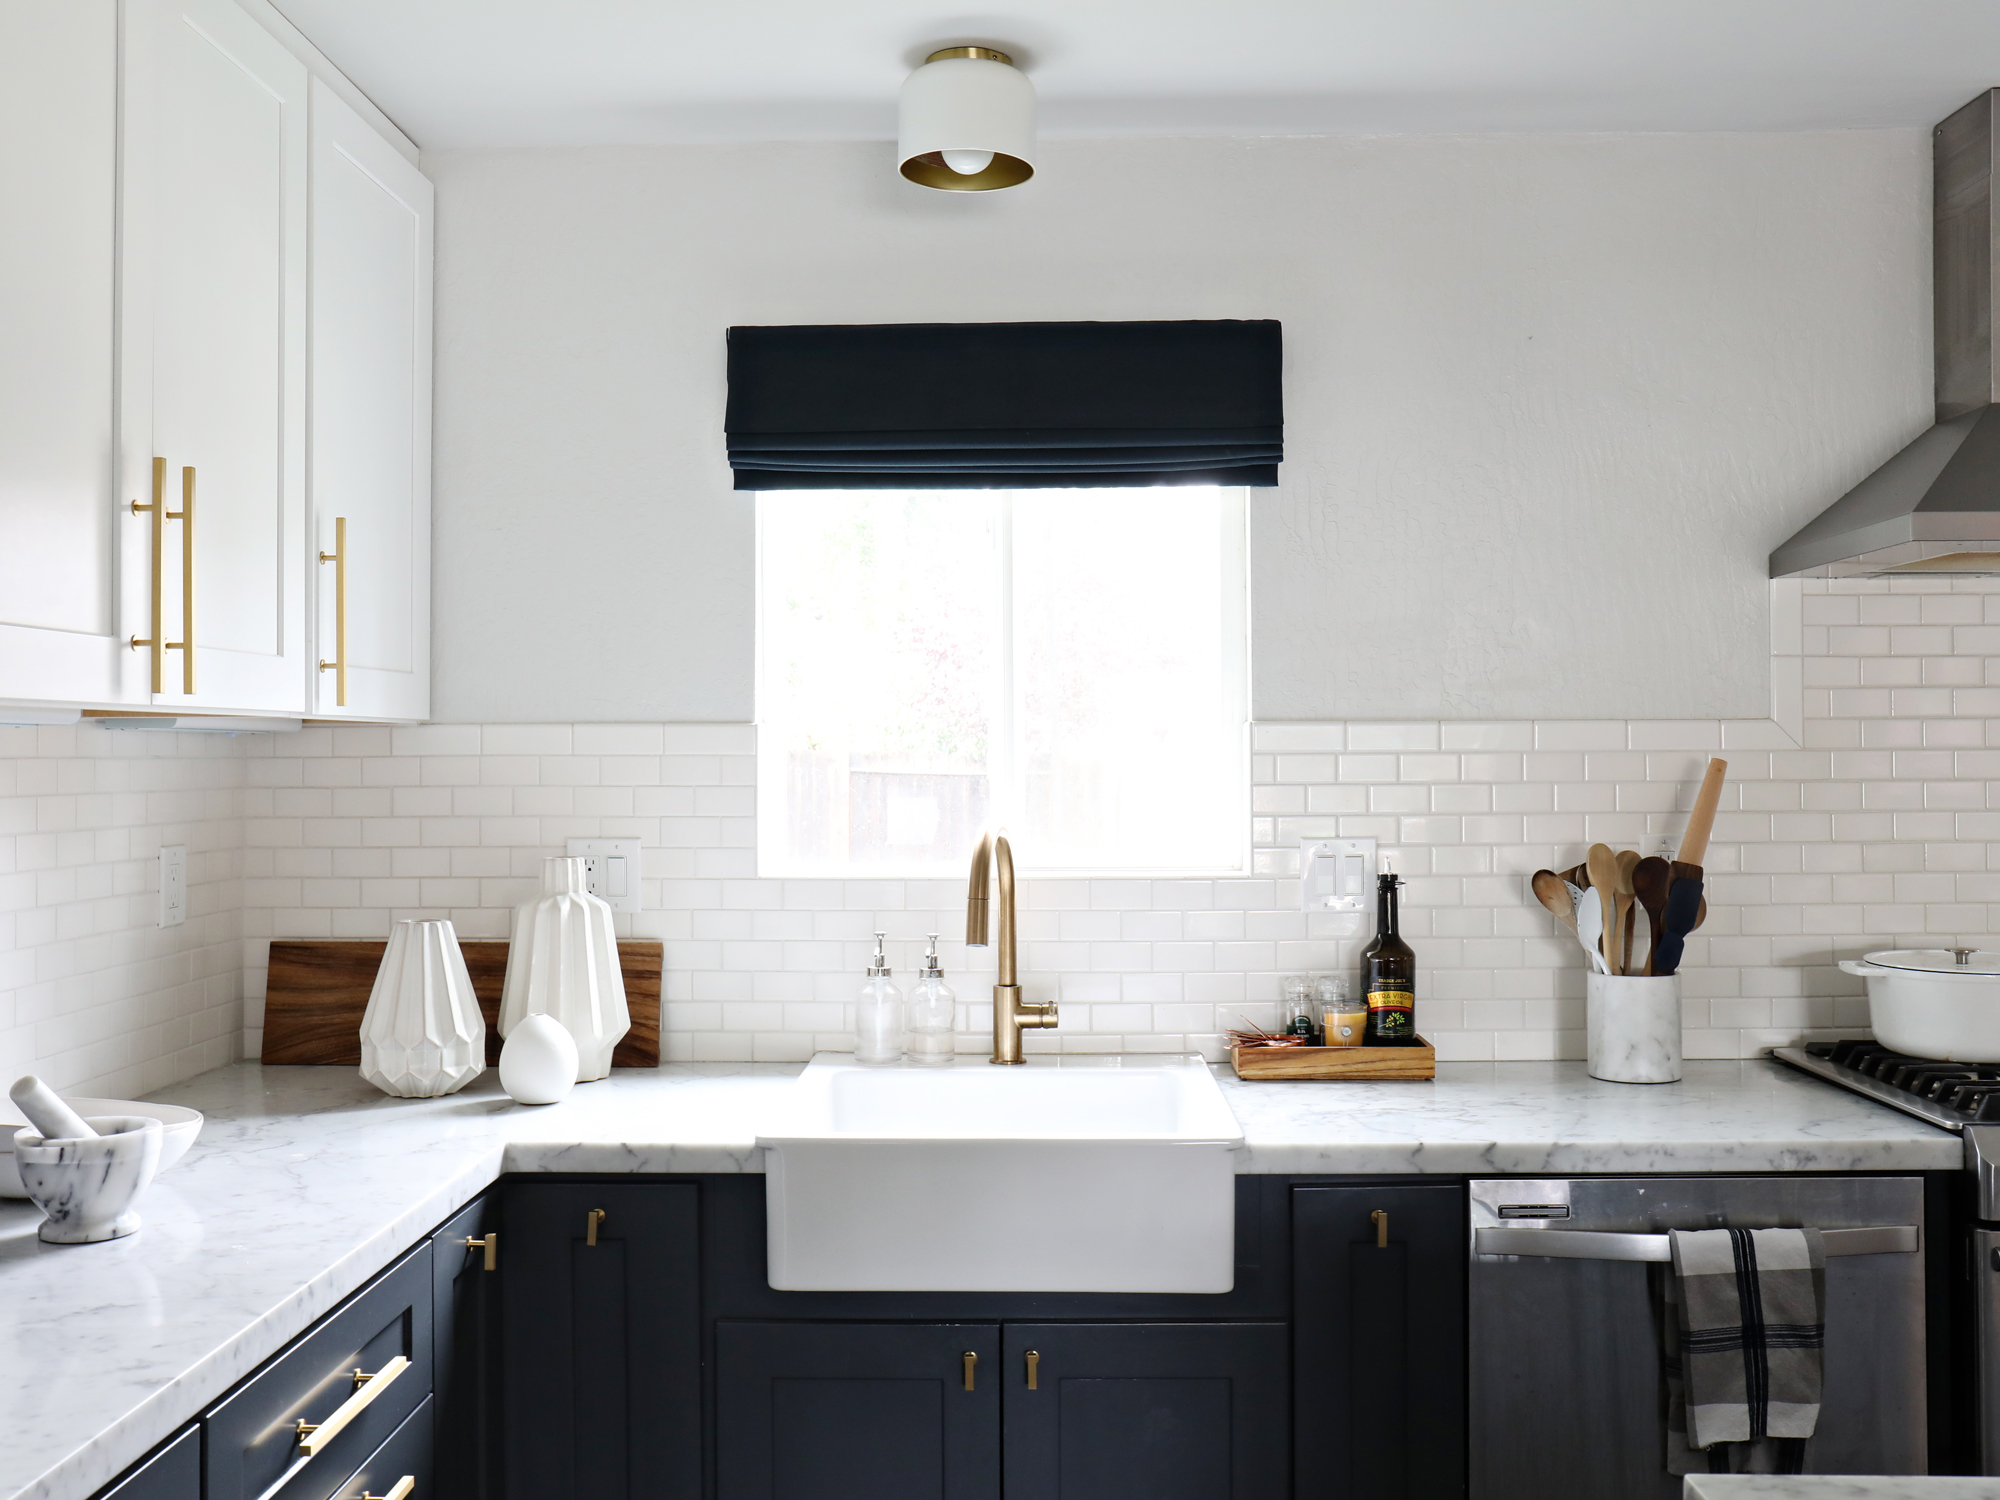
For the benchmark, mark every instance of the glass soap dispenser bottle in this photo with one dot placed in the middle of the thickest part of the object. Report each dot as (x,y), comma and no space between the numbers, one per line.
(933,1015)
(878,1013)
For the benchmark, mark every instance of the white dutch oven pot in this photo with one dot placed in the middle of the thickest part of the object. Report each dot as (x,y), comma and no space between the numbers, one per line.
(1934,1002)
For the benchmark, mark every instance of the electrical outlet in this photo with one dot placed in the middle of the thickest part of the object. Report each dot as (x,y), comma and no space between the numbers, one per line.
(610,870)
(173,884)
(1336,874)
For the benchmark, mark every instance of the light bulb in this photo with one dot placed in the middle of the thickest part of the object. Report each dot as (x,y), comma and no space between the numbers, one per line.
(967,163)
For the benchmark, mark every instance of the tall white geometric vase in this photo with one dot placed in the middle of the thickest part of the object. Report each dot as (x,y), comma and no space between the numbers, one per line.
(422,1035)
(563,962)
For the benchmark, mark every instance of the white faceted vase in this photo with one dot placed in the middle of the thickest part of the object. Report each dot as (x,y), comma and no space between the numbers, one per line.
(563,962)
(422,1035)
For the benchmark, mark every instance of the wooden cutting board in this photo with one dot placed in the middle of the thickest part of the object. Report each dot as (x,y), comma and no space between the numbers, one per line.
(318,992)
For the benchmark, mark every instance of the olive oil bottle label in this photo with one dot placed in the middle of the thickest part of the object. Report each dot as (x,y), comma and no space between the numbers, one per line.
(1392,1012)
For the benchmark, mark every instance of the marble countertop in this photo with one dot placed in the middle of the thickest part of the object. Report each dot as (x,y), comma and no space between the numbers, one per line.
(1836,1487)
(306,1182)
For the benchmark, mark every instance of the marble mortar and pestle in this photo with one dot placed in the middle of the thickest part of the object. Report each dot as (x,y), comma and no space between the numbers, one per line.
(83,1173)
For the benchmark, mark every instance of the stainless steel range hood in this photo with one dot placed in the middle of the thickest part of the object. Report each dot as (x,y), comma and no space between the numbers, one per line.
(1935,507)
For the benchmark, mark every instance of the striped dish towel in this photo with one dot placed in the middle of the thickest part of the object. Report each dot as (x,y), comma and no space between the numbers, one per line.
(1743,1336)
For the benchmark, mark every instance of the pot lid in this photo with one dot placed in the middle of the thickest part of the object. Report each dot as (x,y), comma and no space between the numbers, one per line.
(1941,960)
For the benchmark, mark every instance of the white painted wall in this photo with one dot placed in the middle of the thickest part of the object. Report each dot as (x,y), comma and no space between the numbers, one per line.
(1551,399)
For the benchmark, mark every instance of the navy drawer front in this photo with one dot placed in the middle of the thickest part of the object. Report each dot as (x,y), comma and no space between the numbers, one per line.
(252,1435)
(174,1473)
(406,1455)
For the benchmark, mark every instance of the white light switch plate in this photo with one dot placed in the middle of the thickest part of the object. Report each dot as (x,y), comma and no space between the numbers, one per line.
(611,870)
(173,884)
(1336,874)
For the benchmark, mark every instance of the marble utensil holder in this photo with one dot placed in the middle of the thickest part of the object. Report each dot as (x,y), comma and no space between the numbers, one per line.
(1633,1027)
(86,1187)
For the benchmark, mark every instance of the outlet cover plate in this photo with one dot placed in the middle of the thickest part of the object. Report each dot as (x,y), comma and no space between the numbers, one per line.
(1336,874)
(611,870)
(173,884)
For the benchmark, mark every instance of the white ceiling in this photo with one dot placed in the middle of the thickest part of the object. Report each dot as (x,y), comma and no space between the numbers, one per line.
(567,72)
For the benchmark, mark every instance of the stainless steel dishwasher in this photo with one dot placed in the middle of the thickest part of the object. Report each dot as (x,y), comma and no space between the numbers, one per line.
(1566,1391)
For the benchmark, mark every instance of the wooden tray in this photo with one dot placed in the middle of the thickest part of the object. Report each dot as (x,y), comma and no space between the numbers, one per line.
(1260,1064)
(318,992)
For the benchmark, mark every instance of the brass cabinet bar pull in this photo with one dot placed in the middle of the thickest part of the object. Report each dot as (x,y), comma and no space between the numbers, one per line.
(313,1436)
(157,640)
(591,1220)
(1034,1359)
(338,666)
(400,1490)
(186,517)
(491,1245)
(969,1359)
(1380,1219)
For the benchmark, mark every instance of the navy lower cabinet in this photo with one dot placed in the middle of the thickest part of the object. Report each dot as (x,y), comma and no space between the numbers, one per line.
(601,1350)
(465,1339)
(174,1473)
(1168,1411)
(1378,1364)
(858,1411)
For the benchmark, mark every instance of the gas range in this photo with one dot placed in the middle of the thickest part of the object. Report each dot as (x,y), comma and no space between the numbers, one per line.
(1952,1095)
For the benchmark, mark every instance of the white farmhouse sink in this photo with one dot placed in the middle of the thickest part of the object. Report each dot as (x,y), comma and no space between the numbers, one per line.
(1073,1174)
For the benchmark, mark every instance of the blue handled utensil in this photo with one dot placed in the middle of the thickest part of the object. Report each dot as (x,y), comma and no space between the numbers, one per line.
(1676,922)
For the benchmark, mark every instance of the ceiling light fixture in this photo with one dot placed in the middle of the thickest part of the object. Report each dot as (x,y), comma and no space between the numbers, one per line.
(967,122)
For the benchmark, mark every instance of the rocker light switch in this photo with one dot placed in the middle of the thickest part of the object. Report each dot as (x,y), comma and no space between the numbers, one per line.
(610,870)
(1336,874)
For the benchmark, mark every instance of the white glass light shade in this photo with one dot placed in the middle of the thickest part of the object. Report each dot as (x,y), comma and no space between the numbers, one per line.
(422,1035)
(967,100)
(563,962)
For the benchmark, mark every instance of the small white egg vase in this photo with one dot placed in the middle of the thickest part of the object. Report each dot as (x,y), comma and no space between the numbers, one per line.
(563,962)
(538,1062)
(422,1035)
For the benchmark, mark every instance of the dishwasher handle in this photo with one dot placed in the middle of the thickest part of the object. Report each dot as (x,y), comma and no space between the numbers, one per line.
(1594,1244)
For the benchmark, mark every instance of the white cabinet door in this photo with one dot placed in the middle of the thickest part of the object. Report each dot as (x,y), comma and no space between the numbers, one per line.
(371,419)
(213,337)
(60,636)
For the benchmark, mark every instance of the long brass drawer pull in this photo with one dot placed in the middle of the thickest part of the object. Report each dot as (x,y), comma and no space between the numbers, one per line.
(313,1436)
(491,1245)
(157,642)
(1034,1361)
(969,1361)
(1380,1219)
(338,666)
(400,1490)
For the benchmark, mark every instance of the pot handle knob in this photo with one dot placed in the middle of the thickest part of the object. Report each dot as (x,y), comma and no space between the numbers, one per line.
(1858,966)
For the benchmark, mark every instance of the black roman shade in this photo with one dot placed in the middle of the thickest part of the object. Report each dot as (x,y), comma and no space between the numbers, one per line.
(1005,405)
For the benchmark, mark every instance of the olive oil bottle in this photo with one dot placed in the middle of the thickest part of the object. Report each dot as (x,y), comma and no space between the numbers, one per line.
(1389,975)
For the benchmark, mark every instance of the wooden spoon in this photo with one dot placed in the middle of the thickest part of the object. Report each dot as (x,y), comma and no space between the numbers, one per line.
(1604,879)
(1627,859)
(1651,879)
(1551,890)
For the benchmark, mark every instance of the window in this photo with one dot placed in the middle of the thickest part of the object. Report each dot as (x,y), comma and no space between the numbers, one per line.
(1067,663)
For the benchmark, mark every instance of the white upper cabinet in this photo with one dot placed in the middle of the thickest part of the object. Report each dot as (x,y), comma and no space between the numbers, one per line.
(60,627)
(213,353)
(371,419)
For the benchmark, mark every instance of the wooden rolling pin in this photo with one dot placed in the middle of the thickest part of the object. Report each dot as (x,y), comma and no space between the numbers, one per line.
(1694,843)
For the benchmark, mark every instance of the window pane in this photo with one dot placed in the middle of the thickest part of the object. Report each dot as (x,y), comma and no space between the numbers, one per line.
(880,634)
(1128,756)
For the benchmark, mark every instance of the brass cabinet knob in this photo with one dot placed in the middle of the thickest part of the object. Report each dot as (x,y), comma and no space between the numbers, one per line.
(1380,1219)
(970,1359)
(591,1220)
(1034,1360)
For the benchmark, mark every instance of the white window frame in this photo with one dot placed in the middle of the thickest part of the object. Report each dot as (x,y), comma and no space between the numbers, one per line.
(1233,560)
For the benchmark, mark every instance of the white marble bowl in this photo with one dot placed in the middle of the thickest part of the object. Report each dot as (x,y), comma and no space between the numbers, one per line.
(179,1128)
(87,1186)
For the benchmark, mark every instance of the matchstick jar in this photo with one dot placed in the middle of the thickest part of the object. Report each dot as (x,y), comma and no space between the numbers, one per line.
(1633,1027)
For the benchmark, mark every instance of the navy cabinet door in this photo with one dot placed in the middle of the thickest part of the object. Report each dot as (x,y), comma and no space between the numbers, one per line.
(857,1411)
(465,1342)
(601,1356)
(1379,1347)
(1167,1411)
